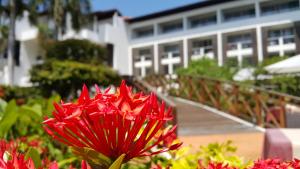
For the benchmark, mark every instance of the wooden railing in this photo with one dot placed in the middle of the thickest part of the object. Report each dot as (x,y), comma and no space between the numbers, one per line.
(144,86)
(256,105)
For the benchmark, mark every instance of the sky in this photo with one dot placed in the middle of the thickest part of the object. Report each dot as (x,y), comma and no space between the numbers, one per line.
(133,8)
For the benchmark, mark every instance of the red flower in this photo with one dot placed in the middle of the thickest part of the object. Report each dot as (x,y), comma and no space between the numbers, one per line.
(295,164)
(270,164)
(214,165)
(112,124)
(11,159)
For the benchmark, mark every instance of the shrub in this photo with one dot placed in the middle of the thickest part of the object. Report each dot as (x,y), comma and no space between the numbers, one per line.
(72,63)
(76,50)
(208,67)
(57,75)
(19,93)
(280,82)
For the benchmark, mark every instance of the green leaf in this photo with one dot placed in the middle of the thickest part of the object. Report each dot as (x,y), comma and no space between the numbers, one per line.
(118,163)
(66,161)
(35,111)
(92,156)
(3,105)
(35,156)
(9,118)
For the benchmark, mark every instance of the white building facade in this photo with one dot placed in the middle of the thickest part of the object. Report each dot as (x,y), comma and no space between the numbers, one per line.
(237,32)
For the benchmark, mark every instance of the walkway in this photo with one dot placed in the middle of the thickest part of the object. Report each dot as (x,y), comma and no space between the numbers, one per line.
(196,120)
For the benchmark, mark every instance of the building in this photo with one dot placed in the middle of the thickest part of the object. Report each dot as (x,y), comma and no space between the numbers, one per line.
(239,32)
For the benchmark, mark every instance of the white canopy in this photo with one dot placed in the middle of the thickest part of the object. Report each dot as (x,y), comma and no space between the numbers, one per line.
(290,65)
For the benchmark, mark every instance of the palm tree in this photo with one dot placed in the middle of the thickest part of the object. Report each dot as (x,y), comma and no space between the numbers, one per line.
(57,9)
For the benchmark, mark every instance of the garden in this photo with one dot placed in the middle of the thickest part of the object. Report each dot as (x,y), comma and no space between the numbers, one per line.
(54,124)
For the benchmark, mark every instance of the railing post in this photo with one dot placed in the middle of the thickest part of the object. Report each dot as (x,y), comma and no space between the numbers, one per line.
(174,109)
(258,109)
(282,116)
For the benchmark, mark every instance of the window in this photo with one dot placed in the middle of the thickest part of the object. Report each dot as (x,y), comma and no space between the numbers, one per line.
(171,26)
(287,35)
(278,6)
(205,45)
(239,13)
(143,32)
(174,49)
(202,20)
(146,53)
(244,39)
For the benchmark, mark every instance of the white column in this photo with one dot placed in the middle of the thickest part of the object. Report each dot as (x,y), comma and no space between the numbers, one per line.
(185,53)
(281,46)
(220,48)
(219,16)
(155,55)
(185,23)
(155,29)
(95,24)
(240,55)
(259,44)
(170,64)
(257,9)
(130,61)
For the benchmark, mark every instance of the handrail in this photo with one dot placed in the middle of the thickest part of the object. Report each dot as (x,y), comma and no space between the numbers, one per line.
(257,105)
(158,94)
(248,86)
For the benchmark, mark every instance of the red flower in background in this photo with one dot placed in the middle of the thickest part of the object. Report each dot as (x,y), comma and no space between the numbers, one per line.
(270,164)
(214,165)
(11,159)
(295,164)
(112,124)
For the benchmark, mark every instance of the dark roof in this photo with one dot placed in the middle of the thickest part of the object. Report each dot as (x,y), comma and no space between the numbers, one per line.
(106,14)
(180,9)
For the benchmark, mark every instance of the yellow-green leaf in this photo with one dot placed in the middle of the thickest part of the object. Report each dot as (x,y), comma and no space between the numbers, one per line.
(118,163)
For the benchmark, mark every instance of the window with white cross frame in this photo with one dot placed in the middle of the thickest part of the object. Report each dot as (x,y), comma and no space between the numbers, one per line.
(143,62)
(170,59)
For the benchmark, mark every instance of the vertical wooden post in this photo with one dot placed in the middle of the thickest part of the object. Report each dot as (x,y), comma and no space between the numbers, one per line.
(258,109)
(282,116)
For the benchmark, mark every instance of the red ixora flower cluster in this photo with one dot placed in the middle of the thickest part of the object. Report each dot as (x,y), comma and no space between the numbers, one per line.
(276,164)
(113,124)
(214,165)
(11,159)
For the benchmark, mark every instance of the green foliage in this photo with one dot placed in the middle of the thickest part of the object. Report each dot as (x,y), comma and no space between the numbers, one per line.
(83,51)
(3,38)
(221,153)
(71,63)
(289,84)
(22,120)
(188,158)
(67,77)
(208,67)
(273,60)
(14,92)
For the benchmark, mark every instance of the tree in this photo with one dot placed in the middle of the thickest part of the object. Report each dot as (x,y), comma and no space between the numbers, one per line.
(70,63)
(58,10)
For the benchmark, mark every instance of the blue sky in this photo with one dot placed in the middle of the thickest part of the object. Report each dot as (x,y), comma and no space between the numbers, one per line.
(134,8)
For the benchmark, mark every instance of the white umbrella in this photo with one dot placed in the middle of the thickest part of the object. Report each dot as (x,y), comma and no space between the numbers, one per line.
(290,65)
